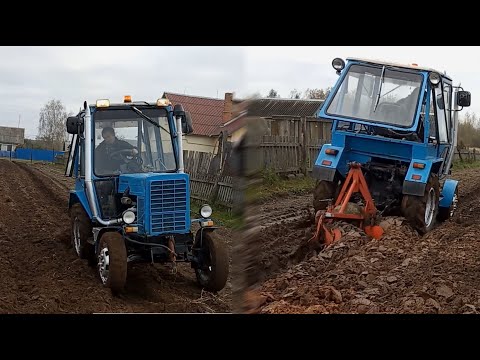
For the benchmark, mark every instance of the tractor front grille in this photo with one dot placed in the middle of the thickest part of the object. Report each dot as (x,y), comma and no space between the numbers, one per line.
(168,206)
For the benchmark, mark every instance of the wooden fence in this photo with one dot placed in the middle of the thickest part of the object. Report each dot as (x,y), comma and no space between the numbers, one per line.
(208,181)
(467,155)
(293,144)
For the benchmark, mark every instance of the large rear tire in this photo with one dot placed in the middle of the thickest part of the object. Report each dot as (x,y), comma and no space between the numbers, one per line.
(324,192)
(112,261)
(421,211)
(212,271)
(81,231)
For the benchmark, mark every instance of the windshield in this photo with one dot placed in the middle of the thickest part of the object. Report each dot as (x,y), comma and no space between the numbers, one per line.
(367,95)
(126,143)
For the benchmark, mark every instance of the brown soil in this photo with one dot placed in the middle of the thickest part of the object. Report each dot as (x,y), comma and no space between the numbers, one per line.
(401,273)
(42,274)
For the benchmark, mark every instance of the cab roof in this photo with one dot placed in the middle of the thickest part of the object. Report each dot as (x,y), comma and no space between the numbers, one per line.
(405,66)
(134,103)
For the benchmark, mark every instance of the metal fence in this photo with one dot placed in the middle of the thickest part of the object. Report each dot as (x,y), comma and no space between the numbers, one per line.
(33,154)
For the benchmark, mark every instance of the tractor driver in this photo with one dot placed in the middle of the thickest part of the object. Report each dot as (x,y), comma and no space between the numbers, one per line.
(105,162)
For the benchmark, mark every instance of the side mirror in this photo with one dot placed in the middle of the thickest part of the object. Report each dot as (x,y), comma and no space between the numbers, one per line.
(178,110)
(187,125)
(463,98)
(74,123)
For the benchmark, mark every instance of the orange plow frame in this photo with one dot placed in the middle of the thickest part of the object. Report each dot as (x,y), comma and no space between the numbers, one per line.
(354,183)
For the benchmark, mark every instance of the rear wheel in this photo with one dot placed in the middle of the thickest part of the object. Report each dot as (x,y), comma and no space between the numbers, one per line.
(212,267)
(81,231)
(112,261)
(446,213)
(421,211)
(324,192)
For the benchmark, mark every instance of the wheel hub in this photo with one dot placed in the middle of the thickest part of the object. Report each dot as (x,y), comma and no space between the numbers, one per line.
(103,264)
(454,204)
(430,207)
(76,235)
(205,268)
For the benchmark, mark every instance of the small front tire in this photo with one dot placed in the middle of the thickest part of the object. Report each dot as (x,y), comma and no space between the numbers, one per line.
(112,261)
(212,269)
(446,213)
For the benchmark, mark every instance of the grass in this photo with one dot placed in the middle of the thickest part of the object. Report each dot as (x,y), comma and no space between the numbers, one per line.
(273,186)
(467,164)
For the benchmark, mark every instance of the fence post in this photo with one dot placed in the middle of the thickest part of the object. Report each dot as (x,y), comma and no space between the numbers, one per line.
(474,157)
(303,146)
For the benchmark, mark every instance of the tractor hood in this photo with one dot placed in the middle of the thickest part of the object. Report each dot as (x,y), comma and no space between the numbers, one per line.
(163,201)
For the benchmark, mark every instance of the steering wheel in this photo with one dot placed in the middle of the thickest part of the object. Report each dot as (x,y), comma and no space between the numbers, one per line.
(122,154)
(389,108)
(126,156)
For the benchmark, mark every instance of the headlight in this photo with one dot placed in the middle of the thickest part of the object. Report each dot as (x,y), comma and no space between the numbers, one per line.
(128,217)
(206,211)
(434,78)
(338,64)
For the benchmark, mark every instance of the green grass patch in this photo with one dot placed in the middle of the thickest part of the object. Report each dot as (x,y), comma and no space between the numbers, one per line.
(467,164)
(273,186)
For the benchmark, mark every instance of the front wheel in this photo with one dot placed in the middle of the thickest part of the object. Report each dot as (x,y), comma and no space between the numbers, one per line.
(212,256)
(112,261)
(446,213)
(421,211)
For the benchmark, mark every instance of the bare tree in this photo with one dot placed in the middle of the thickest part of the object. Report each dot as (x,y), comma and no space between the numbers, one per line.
(51,127)
(273,94)
(295,94)
(320,94)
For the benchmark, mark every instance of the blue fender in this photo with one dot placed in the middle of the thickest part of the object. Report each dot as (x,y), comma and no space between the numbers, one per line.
(326,165)
(416,179)
(446,197)
(79,196)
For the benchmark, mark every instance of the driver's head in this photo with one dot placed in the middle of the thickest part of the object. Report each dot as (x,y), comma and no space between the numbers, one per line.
(109,135)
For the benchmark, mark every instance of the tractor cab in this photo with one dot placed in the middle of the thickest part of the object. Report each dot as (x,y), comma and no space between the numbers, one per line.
(405,102)
(400,123)
(132,192)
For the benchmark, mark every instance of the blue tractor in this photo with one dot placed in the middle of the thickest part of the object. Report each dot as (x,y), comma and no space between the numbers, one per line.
(131,201)
(398,125)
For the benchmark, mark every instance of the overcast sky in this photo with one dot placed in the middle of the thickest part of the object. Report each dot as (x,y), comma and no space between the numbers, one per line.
(287,68)
(31,76)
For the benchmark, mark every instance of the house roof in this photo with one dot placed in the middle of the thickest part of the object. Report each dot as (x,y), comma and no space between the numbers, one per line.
(269,107)
(207,113)
(287,107)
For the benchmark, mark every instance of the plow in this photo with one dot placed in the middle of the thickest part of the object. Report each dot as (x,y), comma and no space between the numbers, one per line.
(362,214)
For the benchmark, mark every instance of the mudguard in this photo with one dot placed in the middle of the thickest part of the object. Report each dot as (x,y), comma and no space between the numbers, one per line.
(326,165)
(416,179)
(79,196)
(446,197)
